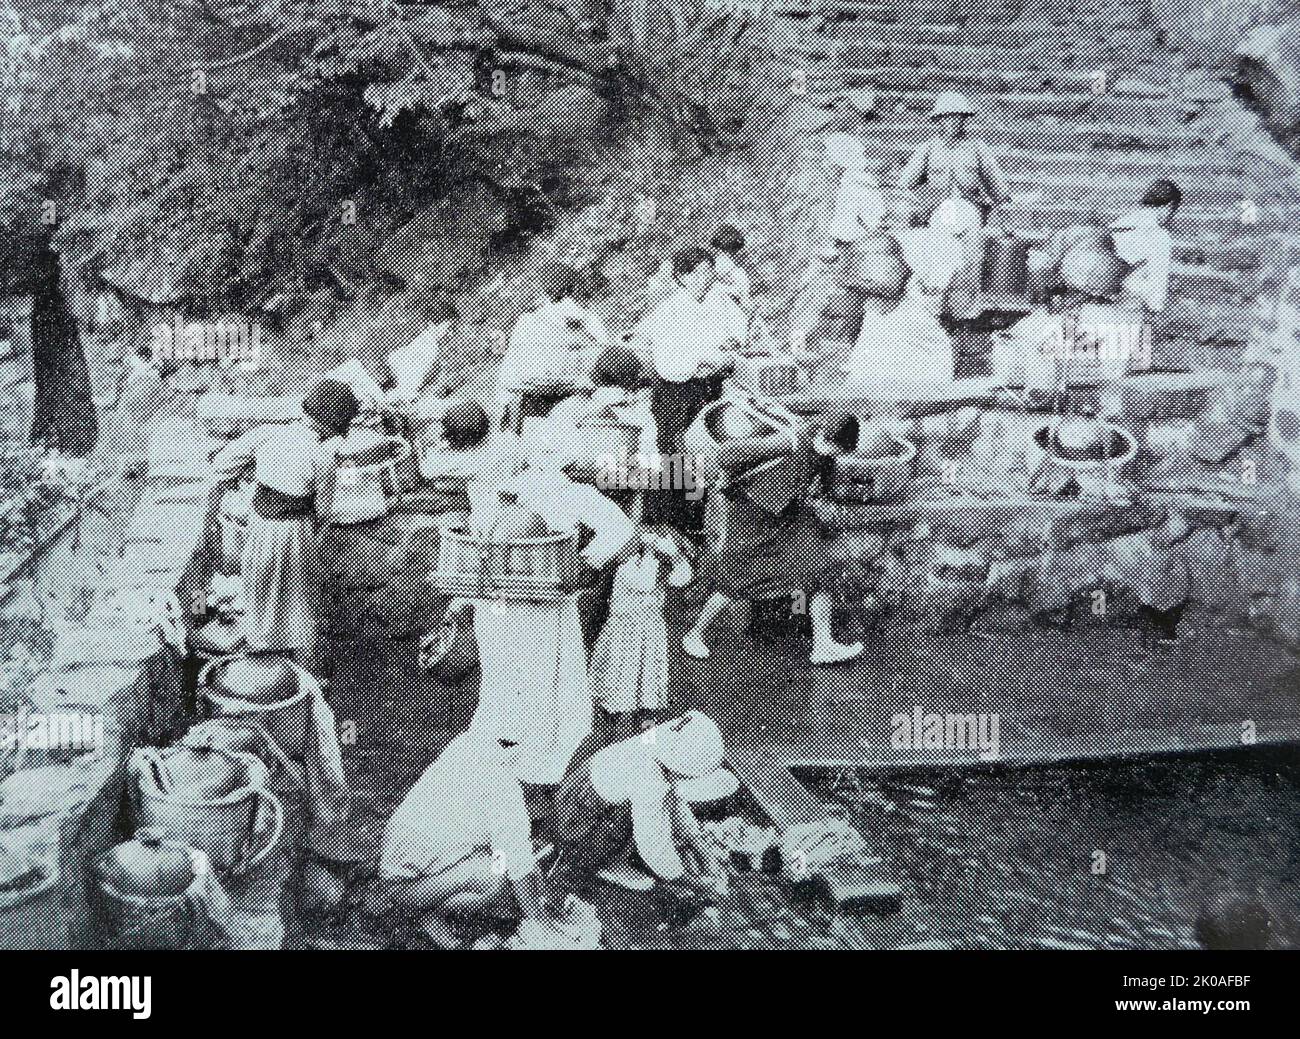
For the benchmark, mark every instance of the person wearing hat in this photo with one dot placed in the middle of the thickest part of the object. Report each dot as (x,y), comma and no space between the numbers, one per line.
(283,573)
(551,347)
(624,814)
(460,842)
(953,163)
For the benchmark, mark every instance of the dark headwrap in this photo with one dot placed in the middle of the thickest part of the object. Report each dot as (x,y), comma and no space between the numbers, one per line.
(332,404)
(617,366)
(464,424)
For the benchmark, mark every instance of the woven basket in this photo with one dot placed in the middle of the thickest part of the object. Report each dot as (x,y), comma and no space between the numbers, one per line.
(541,569)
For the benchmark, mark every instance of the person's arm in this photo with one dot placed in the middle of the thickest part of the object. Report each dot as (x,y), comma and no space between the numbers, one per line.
(536,901)
(612,530)
(235,459)
(653,831)
(995,181)
(1157,269)
(741,454)
(913,173)
(690,836)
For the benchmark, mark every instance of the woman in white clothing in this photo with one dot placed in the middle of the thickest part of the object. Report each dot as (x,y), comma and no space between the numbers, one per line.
(532,655)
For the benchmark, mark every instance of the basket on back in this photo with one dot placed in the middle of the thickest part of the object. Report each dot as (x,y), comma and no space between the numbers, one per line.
(768,374)
(372,469)
(756,450)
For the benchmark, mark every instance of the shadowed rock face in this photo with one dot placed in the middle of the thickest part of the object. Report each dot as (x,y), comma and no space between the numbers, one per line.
(65,417)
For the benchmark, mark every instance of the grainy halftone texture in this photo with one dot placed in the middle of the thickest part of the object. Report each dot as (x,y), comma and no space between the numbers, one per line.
(1086,627)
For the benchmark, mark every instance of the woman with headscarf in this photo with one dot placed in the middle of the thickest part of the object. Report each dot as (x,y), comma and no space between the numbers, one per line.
(625,815)
(953,164)
(283,572)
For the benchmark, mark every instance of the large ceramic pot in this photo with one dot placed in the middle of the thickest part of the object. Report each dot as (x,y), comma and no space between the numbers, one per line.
(260,688)
(874,264)
(208,799)
(145,893)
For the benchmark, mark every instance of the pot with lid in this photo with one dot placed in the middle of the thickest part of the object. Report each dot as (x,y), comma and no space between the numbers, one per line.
(206,798)
(146,893)
(874,264)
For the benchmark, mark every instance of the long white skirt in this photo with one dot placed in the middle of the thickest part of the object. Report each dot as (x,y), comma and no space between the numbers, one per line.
(283,578)
(908,344)
(534,681)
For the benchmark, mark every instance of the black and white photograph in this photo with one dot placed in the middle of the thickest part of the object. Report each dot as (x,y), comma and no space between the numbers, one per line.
(650,475)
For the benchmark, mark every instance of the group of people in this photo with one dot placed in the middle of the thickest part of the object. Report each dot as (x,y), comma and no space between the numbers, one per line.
(917,253)
(460,843)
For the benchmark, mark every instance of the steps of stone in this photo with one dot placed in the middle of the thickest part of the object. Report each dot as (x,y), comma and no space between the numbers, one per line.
(993,78)
(1192,219)
(1013,56)
(1025,32)
(1222,190)
(1029,162)
(1094,136)
(1191,318)
(1036,104)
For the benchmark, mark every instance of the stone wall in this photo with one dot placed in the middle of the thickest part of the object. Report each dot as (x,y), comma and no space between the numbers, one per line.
(63,809)
(1211,510)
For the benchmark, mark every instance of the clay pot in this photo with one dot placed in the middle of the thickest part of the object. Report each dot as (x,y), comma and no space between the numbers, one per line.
(209,799)
(264,688)
(143,892)
(874,265)
(147,865)
(514,521)
(735,424)
(1094,269)
(258,679)
(1080,439)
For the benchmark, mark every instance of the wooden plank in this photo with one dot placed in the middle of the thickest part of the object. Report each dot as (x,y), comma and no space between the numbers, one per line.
(774,788)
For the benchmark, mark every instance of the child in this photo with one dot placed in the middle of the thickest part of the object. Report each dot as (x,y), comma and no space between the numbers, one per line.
(629,664)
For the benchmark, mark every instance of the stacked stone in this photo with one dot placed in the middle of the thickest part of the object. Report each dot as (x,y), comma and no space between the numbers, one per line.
(1084,106)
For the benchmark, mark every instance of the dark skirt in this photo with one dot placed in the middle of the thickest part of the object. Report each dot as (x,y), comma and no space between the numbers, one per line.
(591,833)
(762,556)
(675,405)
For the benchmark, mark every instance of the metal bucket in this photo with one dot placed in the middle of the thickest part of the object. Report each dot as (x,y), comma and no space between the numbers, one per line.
(224,827)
